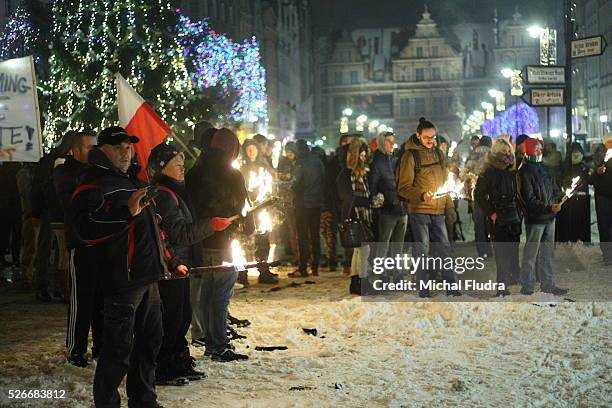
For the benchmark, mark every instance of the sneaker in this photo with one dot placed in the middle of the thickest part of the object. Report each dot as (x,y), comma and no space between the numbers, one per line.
(238,286)
(556,291)
(267,278)
(198,342)
(194,375)
(175,382)
(234,335)
(78,360)
(237,322)
(298,274)
(228,355)
(230,346)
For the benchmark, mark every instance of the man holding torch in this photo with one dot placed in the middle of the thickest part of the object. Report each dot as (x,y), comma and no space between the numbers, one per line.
(539,195)
(602,180)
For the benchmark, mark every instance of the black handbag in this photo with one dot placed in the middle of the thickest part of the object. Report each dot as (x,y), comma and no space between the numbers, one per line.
(353,233)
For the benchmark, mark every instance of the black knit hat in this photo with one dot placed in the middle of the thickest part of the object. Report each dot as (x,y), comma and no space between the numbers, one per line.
(161,155)
(521,138)
(485,141)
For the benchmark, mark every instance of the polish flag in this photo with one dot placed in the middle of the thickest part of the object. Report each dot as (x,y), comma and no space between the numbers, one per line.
(139,119)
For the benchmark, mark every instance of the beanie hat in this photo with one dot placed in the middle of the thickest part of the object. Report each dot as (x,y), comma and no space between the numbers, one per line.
(485,141)
(202,134)
(226,141)
(161,155)
(531,145)
(302,148)
(290,147)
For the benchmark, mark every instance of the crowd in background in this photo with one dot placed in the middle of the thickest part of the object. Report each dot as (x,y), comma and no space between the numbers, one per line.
(62,214)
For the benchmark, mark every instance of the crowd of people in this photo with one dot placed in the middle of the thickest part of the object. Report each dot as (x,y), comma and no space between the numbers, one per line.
(81,227)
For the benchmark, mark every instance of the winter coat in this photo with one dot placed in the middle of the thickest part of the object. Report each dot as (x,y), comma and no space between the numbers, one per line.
(217,190)
(10,204)
(538,190)
(334,166)
(183,230)
(351,203)
(44,197)
(602,182)
(308,182)
(131,251)
(413,184)
(496,192)
(382,180)
(66,178)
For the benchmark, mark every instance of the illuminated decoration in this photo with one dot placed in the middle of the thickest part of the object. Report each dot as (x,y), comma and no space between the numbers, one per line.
(93,40)
(216,60)
(18,36)
(518,119)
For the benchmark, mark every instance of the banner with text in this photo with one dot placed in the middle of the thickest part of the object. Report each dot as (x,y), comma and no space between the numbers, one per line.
(20,135)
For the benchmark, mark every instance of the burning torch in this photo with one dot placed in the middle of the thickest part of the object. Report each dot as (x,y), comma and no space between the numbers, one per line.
(570,191)
(452,187)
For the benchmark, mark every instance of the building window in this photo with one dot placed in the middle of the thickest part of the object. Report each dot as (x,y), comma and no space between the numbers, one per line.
(354,77)
(437,105)
(419,52)
(434,51)
(419,106)
(420,74)
(435,73)
(338,77)
(404,107)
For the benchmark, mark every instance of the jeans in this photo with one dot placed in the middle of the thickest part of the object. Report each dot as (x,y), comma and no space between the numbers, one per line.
(216,292)
(483,246)
(603,205)
(425,229)
(391,228)
(309,241)
(538,253)
(132,338)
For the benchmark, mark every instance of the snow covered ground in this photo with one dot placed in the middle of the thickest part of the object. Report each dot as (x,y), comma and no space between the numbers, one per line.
(365,354)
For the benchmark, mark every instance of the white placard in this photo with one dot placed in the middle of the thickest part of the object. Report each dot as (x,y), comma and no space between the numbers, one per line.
(20,136)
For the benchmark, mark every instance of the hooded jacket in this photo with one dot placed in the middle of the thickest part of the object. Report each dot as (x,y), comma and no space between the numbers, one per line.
(308,180)
(412,184)
(496,191)
(538,190)
(130,249)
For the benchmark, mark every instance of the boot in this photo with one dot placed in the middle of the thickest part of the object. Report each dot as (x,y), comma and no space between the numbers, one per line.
(243,278)
(187,366)
(355,286)
(267,278)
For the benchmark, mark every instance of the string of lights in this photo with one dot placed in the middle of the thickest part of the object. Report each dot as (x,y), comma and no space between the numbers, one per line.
(18,36)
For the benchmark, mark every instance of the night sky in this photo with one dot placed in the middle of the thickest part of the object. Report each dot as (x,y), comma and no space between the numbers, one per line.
(337,15)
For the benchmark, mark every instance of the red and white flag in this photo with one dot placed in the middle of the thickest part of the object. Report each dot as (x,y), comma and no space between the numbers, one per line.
(139,119)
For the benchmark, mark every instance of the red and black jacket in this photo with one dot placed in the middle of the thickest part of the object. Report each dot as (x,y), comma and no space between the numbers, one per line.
(131,251)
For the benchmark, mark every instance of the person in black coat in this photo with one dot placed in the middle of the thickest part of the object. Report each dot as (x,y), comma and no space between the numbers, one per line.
(496,193)
(574,219)
(86,297)
(540,197)
(217,190)
(184,233)
(602,181)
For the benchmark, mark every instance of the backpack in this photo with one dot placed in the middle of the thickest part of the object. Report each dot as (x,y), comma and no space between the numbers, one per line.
(416,156)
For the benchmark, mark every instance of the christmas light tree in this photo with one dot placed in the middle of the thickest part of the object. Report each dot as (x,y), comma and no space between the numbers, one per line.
(18,37)
(517,119)
(93,40)
(234,67)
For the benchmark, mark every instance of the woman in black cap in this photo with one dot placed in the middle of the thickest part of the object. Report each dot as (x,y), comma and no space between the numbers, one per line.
(175,366)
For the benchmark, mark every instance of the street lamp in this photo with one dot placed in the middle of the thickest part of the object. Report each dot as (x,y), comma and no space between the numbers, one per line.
(507,72)
(361,118)
(535,31)
(347,112)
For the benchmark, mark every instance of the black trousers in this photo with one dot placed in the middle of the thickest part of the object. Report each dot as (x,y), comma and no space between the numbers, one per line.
(506,246)
(10,234)
(176,317)
(132,338)
(309,242)
(86,303)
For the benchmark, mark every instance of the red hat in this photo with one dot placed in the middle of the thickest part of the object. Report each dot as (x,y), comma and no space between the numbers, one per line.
(531,144)
(226,141)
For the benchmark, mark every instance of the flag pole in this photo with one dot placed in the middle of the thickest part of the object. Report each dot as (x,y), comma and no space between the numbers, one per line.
(183,145)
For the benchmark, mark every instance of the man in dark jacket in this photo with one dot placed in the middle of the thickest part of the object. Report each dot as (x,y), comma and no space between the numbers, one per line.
(110,211)
(308,200)
(393,219)
(47,209)
(602,180)
(217,190)
(539,195)
(86,298)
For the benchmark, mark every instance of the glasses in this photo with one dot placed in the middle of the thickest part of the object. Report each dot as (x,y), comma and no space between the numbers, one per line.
(428,138)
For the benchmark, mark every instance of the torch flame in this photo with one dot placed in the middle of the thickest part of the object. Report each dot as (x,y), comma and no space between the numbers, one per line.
(238,257)
(265,222)
(236,164)
(608,155)
(451,150)
(260,182)
(570,191)
(452,186)
(246,208)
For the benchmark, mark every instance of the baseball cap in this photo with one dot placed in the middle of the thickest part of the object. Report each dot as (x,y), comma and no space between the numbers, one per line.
(115,135)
